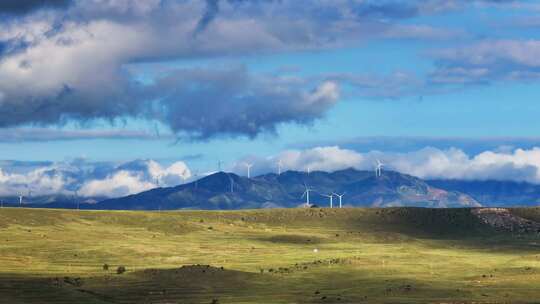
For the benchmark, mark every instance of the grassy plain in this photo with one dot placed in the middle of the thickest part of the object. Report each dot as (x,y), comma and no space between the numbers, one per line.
(394,255)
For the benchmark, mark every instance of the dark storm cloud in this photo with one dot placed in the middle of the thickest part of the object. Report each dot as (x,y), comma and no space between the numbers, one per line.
(47,134)
(21,7)
(202,103)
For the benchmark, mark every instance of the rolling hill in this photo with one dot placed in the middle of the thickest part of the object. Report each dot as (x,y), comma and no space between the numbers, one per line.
(299,255)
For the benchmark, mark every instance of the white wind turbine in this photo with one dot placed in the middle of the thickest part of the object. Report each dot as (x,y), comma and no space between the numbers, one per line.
(158,180)
(76,196)
(331,197)
(183,176)
(378,168)
(20,200)
(306,194)
(248,166)
(279,166)
(340,196)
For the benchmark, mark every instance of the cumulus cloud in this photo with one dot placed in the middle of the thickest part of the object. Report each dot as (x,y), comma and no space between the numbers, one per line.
(471,146)
(135,177)
(74,64)
(74,70)
(89,179)
(428,163)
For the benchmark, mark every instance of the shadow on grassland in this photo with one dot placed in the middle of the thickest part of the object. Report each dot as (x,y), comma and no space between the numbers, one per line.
(206,284)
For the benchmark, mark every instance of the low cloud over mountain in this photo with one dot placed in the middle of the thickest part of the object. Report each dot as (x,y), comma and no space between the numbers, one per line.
(88,179)
(429,163)
(106,179)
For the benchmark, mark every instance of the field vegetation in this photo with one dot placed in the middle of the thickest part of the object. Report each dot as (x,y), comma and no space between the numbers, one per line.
(393,255)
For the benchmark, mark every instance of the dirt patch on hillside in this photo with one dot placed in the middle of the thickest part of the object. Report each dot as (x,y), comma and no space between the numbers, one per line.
(293,239)
(502,218)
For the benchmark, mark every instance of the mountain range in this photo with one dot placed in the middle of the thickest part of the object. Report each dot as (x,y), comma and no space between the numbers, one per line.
(224,191)
(230,191)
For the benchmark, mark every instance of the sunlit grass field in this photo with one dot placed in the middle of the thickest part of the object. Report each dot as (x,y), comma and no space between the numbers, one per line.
(395,255)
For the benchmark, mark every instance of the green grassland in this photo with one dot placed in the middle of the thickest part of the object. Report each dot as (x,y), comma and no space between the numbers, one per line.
(394,255)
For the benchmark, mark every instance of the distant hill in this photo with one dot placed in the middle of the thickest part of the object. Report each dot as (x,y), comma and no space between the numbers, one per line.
(361,188)
(494,193)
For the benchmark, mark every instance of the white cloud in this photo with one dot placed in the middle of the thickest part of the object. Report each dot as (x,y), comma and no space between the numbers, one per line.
(428,163)
(135,177)
(89,179)
(118,184)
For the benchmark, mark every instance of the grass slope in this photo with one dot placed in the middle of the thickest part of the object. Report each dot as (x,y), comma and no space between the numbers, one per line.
(395,255)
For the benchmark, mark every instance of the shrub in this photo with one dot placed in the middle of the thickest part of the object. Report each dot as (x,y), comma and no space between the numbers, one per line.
(120,269)
(105,267)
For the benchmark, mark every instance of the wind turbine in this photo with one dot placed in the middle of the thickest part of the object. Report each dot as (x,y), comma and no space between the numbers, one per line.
(76,197)
(306,194)
(20,200)
(279,165)
(248,166)
(331,197)
(196,175)
(232,183)
(183,177)
(378,170)
(219,163)
(340,196)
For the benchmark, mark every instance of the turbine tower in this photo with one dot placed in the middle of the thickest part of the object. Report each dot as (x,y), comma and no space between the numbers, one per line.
(306,194)
(219,163)
(196,176)
(231,180)
(340,196)
(248,166)
(20,200)
(279,165)
(331,197)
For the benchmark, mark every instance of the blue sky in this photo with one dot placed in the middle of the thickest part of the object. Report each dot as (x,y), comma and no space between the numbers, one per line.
(202,81)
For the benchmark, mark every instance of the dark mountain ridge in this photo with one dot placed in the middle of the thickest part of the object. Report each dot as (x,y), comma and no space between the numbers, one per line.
(494,193)
(224,191)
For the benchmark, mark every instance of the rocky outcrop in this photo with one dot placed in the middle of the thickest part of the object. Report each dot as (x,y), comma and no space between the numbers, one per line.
(502,218)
